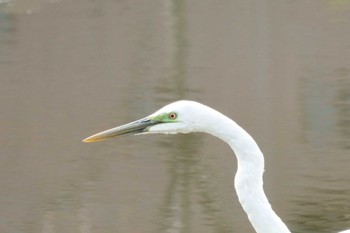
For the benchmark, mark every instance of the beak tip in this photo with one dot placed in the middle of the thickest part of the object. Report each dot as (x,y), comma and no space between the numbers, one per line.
(85,140)
(89,139)
(93,139)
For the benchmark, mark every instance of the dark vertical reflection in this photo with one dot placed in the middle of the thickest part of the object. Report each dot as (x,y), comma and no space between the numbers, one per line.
(179,57)
(188,194)
(176,210)
(173,85)
(325,103)
(325,110)
(7,35)
(342,105)
(186,187)
(318,112)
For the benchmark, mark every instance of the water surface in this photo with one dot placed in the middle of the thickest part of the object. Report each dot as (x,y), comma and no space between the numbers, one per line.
(73,68)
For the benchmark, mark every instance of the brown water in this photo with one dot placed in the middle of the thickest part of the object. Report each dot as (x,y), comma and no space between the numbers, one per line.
(70,68)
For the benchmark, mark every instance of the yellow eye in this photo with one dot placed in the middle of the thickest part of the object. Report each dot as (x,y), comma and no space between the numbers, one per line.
(172,115)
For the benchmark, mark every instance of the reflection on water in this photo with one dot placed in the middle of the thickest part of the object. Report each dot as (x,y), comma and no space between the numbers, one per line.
(74,68)
(326,104)
(343,108)
(25,6)
(188,191)
(7,35)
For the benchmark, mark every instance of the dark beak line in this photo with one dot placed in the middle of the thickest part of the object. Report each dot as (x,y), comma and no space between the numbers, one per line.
(135,127)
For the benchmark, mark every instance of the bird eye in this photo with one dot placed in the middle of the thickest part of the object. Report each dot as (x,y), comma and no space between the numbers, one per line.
(172,115)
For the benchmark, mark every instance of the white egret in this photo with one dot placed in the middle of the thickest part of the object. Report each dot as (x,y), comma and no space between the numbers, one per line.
(189,116)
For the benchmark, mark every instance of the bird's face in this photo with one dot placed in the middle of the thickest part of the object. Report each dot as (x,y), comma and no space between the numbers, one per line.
(177,117)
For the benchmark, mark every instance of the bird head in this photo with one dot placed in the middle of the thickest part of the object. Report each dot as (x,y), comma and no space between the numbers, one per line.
(178,117)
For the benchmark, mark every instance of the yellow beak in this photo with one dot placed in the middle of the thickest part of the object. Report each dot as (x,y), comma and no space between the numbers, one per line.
(135,127)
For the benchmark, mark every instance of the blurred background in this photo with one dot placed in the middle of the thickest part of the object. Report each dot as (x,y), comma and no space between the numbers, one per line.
(72,68)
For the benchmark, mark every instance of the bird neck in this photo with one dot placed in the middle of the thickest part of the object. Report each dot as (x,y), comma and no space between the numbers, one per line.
(249,177)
